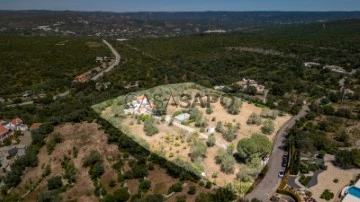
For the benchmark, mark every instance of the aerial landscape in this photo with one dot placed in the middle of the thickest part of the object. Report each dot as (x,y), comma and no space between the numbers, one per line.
(180,101)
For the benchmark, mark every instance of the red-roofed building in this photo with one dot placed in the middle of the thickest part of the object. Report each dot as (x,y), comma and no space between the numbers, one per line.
(3,131)
(17,124)
(35,126)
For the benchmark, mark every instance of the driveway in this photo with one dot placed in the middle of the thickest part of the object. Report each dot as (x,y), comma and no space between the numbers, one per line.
(269,184)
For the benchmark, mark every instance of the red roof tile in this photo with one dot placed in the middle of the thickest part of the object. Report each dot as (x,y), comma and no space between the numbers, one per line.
(16,121)
(35,126)
(3,129)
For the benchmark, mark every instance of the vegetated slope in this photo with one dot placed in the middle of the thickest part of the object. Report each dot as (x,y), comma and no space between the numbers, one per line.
(48,64)
(274,57)
(85,137)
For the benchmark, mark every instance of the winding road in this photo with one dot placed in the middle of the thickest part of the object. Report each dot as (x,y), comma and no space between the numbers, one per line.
(270,183)
(94,78)
(111,67)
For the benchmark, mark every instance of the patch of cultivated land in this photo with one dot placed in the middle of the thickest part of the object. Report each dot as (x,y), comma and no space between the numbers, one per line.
(175,141)
(85,137)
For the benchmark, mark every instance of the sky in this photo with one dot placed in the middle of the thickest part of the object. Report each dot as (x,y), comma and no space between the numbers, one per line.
(182,5)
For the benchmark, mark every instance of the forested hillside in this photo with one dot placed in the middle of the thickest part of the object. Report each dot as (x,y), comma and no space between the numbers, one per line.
(44,64)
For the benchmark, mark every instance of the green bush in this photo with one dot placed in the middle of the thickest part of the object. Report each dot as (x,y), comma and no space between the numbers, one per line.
(304,180)
(208,185)
(181,198)
(192,190)
(327,195)
(145,185)
(177,187)
(55,183)
(293,195)
(112,183)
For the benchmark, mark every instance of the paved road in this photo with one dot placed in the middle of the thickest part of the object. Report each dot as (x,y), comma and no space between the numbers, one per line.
(61,94)
(269,184)
(117,61)
(96,77)
(21,104)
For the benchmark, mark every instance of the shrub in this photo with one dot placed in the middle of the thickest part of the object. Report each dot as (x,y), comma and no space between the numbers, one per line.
(112,183)
(149,127)
(145,185)
(47,171)
(121,194)
(268,113)
(304,180)
(289,193)
(254,119)
(53,141)
(208,185)
(268,127)
(327,195)
(192,190)
(198,149)
(181,198)
(75,152)
(177,187)
(257,144)
(55,182)
(211,140)
(230,133)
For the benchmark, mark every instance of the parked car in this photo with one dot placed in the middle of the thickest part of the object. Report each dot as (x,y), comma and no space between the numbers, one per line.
(281,174)
(284,162)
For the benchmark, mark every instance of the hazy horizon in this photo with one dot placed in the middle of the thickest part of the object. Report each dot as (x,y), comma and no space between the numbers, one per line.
(183,6)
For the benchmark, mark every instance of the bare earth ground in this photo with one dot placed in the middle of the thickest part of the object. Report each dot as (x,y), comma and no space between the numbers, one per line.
(326,178)
(160,184)
(86,137)
(172,141)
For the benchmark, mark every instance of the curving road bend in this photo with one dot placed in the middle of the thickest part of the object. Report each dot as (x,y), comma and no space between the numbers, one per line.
(96,77)
(270,183)
(111,67)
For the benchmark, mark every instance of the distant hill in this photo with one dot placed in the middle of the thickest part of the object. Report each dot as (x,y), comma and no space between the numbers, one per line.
(140,24)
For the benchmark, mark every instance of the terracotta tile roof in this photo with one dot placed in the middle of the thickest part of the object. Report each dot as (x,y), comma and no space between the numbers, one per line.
(3,129)
(16,121)
(140,98)
(35,126)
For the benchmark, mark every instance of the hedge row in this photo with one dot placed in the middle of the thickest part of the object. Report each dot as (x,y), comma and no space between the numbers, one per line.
(289,193)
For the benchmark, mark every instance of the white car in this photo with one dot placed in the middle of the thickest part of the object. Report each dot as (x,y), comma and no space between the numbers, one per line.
(281,174)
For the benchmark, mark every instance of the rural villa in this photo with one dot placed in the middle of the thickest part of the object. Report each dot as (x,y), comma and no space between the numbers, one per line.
(6,128)
(139,106)
(246,83)
(351,193)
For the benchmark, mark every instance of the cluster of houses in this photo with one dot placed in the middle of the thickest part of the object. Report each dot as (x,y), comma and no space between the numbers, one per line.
(245,84)
(332,68)
(141,105)
(101,59)
(7,128)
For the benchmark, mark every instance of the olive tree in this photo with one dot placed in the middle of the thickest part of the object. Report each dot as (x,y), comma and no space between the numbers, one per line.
(268,127)
(254,119)
(257,145)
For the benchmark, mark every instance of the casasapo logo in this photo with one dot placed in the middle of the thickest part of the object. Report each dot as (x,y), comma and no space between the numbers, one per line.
(183,100)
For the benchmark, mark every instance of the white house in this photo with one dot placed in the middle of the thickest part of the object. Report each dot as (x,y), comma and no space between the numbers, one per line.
(16,124)
(210,130)
(311,64)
